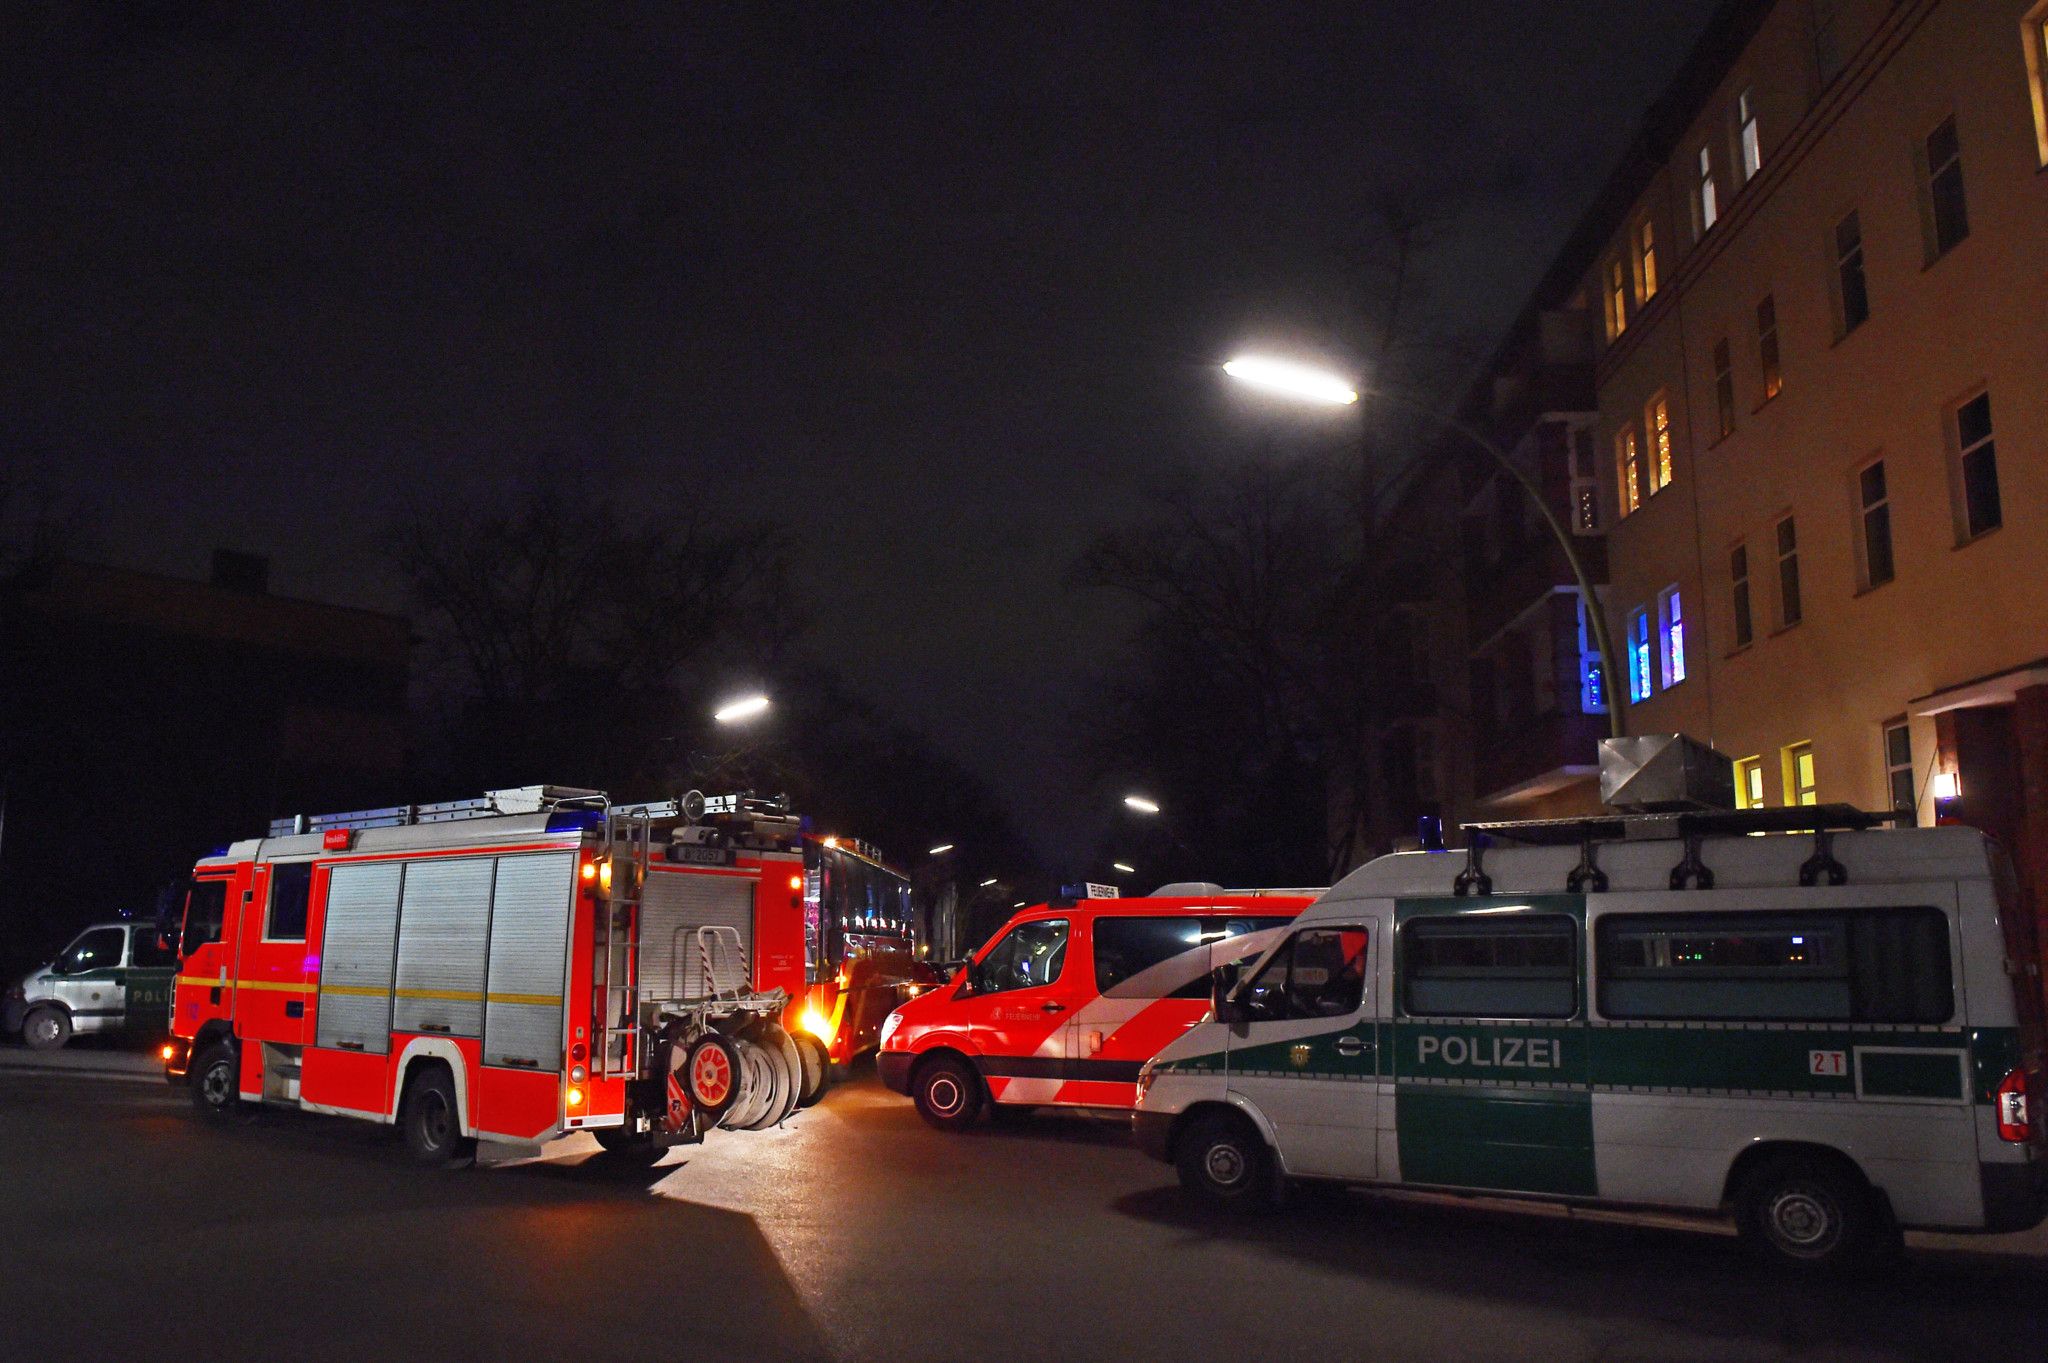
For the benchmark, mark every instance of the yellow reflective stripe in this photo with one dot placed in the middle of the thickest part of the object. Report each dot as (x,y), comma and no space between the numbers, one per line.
(439,995)
(359,991)
(274,986)
(538,1000)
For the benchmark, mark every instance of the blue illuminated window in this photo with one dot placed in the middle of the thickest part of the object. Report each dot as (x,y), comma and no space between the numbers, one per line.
(1592,681)
(1671,637)
(1639,655)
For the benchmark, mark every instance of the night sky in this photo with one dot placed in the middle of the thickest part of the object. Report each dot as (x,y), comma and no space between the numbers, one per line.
(934,285)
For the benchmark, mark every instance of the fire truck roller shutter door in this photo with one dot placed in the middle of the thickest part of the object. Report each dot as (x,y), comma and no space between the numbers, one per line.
(673,905)
(443,919)
(355,957)
(529,941)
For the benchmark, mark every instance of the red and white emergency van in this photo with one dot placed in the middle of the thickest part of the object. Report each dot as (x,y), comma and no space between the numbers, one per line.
(1062,1007)
(532,963)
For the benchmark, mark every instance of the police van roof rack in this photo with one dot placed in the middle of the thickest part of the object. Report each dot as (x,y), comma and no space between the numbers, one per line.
(1688,826)
(491,804)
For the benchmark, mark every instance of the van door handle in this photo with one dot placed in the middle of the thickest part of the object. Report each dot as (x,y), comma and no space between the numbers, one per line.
(1051,1007)
(1350,1045)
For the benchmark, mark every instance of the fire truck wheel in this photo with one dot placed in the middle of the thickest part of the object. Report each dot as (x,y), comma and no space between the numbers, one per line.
(216,1087)
(811,1054)
(46,1029)
(623,1147)
(433,1130)
(1223,1161)
(711,1074)
(948,1094)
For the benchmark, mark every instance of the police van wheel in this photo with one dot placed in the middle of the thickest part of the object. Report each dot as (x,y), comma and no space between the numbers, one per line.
(1811,1214)
(433,1124)
(1223,1161)
(46,1029)
(947,1093)
(216,1087)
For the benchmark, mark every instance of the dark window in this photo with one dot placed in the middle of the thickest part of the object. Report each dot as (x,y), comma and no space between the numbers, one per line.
(150,950)
(1029,955)
(291,884)
(1316,973)
(1949,213)
(1125,947)
(1981,511)
(1882,965)
(205,905)
(1515,966)
(1877,525)
(1738,577)
(100,949)
(1724,385)
(1849,278)
(1789,609)
(1898,769)
(1767,345)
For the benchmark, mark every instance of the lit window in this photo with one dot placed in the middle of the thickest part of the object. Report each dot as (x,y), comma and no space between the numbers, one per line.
(1749,783)
(1585,483)
(1767,345)
(1875,502)
(1752,145)
(1628,474)
(1657,422)
(1978,466)
(1592,681)
(1706,206)
(1639,655)
(1948,214)
(1738,583)
(2036,31)
(1671,636)
(1724,386)
(1898,769)
(1797,762)
(1646,260)
(1852,289)
(1617,299)
(1789,605)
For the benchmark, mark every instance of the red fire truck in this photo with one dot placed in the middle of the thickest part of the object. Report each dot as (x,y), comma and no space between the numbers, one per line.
(536,962)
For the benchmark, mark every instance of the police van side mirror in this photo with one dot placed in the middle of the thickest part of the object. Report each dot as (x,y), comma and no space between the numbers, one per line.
(1222,980)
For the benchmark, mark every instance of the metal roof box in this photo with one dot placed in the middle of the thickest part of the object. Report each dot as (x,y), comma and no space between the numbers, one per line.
(1664,773)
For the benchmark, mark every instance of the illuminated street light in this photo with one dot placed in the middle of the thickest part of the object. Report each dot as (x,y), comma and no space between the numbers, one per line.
(1314,385)
(1294,380)
(986,883)
(940,850)
(1125,867)
(1141,804)
(734,712)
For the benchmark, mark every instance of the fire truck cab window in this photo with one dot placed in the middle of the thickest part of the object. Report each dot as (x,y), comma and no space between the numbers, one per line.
(1317,973)
(291,882)
(204,907)
(1031,954)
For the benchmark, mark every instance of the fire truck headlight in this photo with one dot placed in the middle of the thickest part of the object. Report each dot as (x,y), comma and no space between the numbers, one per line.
(820,1026)
(166,1051)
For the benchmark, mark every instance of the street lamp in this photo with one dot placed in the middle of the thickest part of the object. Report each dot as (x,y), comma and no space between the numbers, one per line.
(940,850)
(1125,867)
(1314,385)
(739,711)
(1141,804)
(986,883)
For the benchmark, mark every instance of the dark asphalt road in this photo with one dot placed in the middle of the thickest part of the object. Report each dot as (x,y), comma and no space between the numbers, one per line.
(855,1232)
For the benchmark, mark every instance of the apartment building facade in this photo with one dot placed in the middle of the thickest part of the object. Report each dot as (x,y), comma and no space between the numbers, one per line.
(1785,385)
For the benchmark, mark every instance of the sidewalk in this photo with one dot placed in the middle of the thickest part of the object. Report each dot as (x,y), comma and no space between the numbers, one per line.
(85,1062)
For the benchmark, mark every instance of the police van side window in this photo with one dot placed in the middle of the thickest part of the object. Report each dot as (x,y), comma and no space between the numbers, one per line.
(1031,954)
(1126,946)
(1884,965)
(149,951)
(1523,966)
(99,949)
(291,884)
(1316,973)
(205,905)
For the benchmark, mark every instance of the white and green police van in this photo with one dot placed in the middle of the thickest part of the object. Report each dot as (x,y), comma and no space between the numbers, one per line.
(112,977)
(1833,1031)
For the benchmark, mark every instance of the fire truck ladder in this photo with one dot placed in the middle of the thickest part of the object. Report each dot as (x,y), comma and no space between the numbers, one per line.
(629,838)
